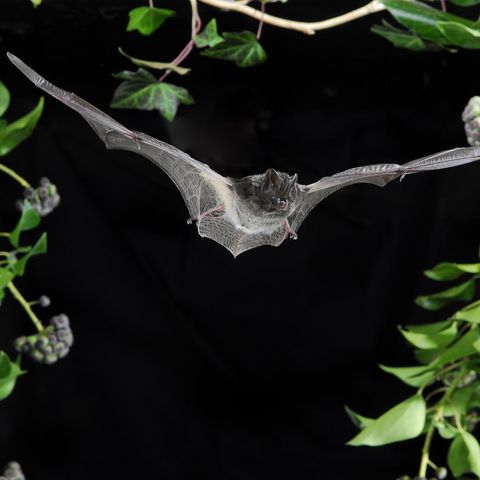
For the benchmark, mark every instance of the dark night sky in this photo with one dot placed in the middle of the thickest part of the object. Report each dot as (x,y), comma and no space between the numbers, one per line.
(189,364)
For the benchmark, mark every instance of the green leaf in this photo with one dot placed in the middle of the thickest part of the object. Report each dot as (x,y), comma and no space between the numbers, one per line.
(19,130)
(463,347)
(416,376)
(471,313)
(445,429)
(142,91)
(400,38)
(9,371)
(429,328)
(422,19)
(464,455)
(209,37)
(156,65)
(402,422)
(242,48)
(428,355)
(146,20)
(5,277)
(431,340)
(36,3)
(359,420)
(465,291)
(451,271)
(39,248)
(460,35)
(465,3)
(4,98)
(29,219)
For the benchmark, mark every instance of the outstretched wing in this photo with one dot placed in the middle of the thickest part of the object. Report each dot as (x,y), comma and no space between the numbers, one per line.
(379,175)
(202,188)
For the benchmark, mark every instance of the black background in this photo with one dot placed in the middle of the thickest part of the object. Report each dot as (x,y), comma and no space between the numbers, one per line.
(189,364)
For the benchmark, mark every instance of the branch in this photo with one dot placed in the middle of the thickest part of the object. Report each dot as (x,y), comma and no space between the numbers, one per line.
(308,28)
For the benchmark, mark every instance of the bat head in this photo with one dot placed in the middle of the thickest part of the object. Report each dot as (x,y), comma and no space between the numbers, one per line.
(278,191)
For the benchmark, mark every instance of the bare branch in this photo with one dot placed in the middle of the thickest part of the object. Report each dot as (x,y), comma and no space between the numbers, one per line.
(308,28)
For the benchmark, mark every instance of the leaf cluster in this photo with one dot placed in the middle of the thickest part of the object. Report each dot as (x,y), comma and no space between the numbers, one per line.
(447,376)
(14,133)
(13,260)
(141,90)
(423,27)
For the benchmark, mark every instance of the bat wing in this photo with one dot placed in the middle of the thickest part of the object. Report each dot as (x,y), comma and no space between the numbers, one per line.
(379,175)
(202,189)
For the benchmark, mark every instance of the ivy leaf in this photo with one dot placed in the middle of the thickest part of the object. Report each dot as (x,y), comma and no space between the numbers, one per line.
(402,422)
(4,98)
(463,347)
(465,3)
(359,420)
(19,130)
(29,219)
(445,429)
(141,90)
(464,455)
(242,48)
(400,38)
(422,19)
(9,371)
(156,65)
(471,313)
(146,19)
(416,376)
(209,37)
(39,248)
(465,291)
(431,340)
(6,277)
(460,35)
(451,271)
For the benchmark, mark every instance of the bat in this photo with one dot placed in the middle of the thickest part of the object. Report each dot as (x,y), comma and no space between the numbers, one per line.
(241,214)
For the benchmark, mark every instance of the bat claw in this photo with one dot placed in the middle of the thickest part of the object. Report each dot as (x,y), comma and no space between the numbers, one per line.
(189,221)
(293,236)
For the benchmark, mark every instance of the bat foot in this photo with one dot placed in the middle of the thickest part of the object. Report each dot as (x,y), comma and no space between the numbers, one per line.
(288,229)
(189,221)
(293,236)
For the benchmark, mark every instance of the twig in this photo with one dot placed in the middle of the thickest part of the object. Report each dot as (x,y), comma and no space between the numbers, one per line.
(150,3)
(14,175)
(26,306)
(261,23)
(443,5)
(196,27)
(308,28)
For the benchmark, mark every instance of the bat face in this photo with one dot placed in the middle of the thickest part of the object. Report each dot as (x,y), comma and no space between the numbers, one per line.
(272,194)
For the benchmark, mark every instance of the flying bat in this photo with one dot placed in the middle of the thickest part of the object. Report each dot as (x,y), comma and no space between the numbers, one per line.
(241,214)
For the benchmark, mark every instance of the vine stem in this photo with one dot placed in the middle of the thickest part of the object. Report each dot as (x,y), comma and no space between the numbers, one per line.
(425,460)
(14,175)
(261,23)
(26,306)
(196,27)
(308,28)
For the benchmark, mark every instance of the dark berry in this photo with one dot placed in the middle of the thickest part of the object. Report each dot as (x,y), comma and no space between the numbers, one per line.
(60,321)
(29,193)
(44,182)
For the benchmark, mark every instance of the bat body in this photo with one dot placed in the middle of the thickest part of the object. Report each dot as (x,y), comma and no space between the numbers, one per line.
(241,214)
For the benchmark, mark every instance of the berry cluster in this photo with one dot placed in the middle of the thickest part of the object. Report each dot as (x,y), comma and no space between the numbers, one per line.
(12,471)
(441,473)
(50,345)
(471,118)
(43,199)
